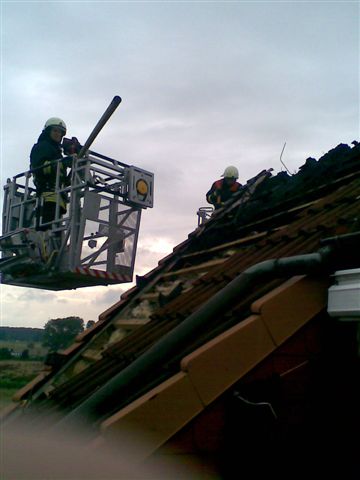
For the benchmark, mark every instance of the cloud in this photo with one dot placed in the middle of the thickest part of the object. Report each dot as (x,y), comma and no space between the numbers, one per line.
(204,85)
(34,294)
(160,246)
(108,296)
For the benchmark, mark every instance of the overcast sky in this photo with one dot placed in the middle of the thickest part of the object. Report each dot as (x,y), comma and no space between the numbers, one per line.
(204,85)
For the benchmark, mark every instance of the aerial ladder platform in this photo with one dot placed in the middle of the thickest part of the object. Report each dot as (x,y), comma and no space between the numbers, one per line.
(94,242)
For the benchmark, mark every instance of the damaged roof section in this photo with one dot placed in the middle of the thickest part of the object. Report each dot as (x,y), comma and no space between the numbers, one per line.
(272,217)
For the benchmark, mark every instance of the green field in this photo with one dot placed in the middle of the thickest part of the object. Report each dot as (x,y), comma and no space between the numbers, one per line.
(14,374)
(36,350)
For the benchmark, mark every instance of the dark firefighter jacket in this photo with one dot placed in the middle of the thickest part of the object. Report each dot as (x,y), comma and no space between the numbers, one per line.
(220,192)
(43,154)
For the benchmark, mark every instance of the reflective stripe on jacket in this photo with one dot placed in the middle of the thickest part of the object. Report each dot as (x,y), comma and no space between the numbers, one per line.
(51,197)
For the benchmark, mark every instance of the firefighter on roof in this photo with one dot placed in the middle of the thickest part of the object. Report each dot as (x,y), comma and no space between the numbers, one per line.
(43,154)
(222,190)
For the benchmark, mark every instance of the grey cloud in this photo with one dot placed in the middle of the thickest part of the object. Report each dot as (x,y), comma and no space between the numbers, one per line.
(110,296)
(32,295)
(204,85)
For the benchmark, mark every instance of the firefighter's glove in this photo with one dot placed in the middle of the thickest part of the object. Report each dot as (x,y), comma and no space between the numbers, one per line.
(77,146)
(71,146)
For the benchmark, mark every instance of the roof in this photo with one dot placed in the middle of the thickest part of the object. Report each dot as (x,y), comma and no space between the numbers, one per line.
(270,217)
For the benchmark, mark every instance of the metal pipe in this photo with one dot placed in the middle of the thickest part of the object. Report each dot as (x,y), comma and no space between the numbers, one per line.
(107,398)
(105,117)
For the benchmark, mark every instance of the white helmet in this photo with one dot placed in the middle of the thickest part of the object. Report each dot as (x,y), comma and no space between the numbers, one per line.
(55,122)
(231,172)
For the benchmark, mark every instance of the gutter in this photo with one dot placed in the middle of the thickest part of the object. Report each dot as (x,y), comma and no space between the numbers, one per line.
(111,396)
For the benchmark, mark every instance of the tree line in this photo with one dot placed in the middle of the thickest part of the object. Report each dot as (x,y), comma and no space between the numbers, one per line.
(57,334)
(22,334)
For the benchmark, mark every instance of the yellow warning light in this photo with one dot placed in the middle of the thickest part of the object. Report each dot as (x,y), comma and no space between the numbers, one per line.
(142,187)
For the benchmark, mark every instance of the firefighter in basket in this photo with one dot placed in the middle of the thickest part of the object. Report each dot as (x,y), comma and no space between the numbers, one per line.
(45,157)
